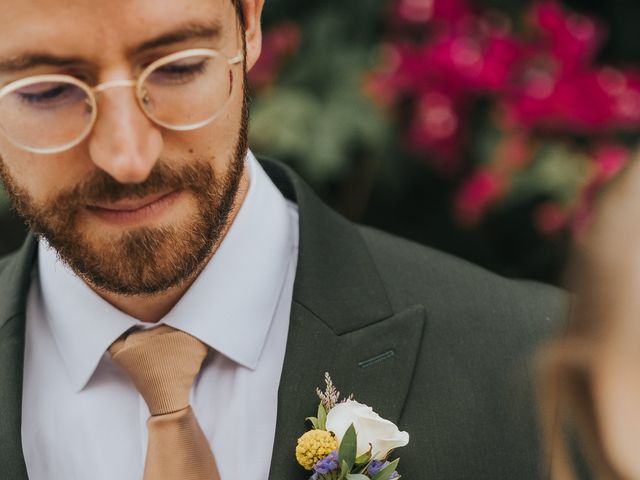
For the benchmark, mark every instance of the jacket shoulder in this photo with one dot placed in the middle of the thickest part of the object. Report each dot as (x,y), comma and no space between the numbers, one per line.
(414,273)
(473,386)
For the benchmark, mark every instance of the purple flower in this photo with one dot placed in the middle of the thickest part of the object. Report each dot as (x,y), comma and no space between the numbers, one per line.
(327,464)
(376,465)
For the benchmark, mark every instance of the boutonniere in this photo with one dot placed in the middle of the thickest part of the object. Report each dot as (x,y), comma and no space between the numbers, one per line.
(349,441)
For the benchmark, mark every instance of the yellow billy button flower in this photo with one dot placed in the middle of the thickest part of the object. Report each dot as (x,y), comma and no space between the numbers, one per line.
(313,446)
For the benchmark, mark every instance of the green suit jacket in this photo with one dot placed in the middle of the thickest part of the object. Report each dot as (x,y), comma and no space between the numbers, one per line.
(439,346)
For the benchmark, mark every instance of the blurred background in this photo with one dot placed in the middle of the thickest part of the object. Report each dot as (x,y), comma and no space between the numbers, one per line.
(483,128)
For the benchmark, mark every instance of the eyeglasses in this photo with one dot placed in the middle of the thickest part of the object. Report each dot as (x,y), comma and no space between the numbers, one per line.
(182,91)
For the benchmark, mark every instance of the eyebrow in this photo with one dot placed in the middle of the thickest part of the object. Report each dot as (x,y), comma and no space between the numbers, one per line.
(27,61)
(191,31)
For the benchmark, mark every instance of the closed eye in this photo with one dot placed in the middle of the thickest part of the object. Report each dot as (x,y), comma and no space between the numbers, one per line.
(179,72)
(47,95)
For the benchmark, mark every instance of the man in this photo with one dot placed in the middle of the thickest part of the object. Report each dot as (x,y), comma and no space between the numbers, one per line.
(123,142)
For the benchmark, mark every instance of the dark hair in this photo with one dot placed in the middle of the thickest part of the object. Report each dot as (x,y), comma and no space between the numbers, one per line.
(239,11)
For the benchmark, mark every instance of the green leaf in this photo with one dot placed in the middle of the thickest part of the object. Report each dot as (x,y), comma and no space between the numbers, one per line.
(357,476)
(314,422)
(344,470)
(348,446)
(364,458)
(322,417)
(387,471)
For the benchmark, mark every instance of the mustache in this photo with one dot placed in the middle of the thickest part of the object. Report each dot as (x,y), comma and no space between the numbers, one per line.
(100,187)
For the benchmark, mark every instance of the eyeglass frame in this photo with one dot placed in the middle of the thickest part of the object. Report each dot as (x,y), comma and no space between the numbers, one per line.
(92,93)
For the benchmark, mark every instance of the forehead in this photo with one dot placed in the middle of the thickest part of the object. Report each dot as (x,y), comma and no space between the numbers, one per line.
(91,28)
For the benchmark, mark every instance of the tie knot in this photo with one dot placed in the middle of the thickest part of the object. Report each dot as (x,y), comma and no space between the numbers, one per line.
(162,363)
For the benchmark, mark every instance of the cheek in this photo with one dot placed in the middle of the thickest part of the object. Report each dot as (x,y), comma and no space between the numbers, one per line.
(216,141)
(41,176)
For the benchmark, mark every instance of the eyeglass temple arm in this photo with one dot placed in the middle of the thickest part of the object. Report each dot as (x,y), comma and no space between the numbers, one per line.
(236,59)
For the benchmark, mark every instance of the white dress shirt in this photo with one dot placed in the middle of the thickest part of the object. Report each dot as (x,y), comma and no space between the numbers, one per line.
(83,419)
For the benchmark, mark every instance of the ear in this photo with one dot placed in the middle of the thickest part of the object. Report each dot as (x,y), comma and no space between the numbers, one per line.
(253,31)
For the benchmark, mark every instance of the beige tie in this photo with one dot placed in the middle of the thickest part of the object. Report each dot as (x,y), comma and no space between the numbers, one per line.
(162,363)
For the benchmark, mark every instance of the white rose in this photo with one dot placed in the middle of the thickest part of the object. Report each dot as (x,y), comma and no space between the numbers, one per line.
(372,429)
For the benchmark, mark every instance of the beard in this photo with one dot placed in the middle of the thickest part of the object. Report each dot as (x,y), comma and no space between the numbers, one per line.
(144,260)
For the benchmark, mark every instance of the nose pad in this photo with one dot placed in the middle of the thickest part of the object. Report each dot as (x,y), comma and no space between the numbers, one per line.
(124,142)
(145,99)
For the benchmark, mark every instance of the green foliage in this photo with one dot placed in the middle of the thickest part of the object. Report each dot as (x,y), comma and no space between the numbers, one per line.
(361,20)
(556,171)
(319,422)
(322,417)
(347,451)
(317,115)
(314,422)
(387,471)
(364,459)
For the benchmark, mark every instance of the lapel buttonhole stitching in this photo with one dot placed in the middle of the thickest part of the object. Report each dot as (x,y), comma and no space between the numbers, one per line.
(370,362)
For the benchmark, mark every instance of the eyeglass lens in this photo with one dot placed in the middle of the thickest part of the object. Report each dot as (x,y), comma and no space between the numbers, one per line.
(187,93)
(46,114)
(183,94)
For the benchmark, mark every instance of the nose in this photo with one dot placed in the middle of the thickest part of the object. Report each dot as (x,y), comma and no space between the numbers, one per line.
(124,142)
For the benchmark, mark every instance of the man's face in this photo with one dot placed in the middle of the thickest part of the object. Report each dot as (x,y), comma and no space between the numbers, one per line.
(135,208)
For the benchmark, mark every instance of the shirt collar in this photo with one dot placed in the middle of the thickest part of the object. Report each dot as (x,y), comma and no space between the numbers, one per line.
(230,306)
(232,303)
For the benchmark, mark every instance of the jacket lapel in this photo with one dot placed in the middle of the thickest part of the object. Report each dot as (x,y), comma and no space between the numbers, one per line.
(341,323)
(14,285)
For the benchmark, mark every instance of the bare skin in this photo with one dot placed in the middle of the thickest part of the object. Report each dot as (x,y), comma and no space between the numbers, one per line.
(609,284)
(105,37)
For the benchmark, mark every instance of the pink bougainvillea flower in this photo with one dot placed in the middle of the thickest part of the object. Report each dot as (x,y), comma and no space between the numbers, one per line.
(501,55)
(424,11)
(436,128)
(279,43)
(530,99)
(437,117)
(539,84)
(414,11)
(514,151)
(404,70)
(454,61)
(576,102)
(624,88)
(609,160)
(451,10)
(573,39)
(550,218)
(395,76)
(476,195)
(581,104)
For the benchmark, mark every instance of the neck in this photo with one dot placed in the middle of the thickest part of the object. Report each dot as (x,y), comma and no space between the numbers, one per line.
(152,308)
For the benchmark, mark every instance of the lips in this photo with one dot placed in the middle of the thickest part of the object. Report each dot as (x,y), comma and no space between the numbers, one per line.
(129,204)
(131,212)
